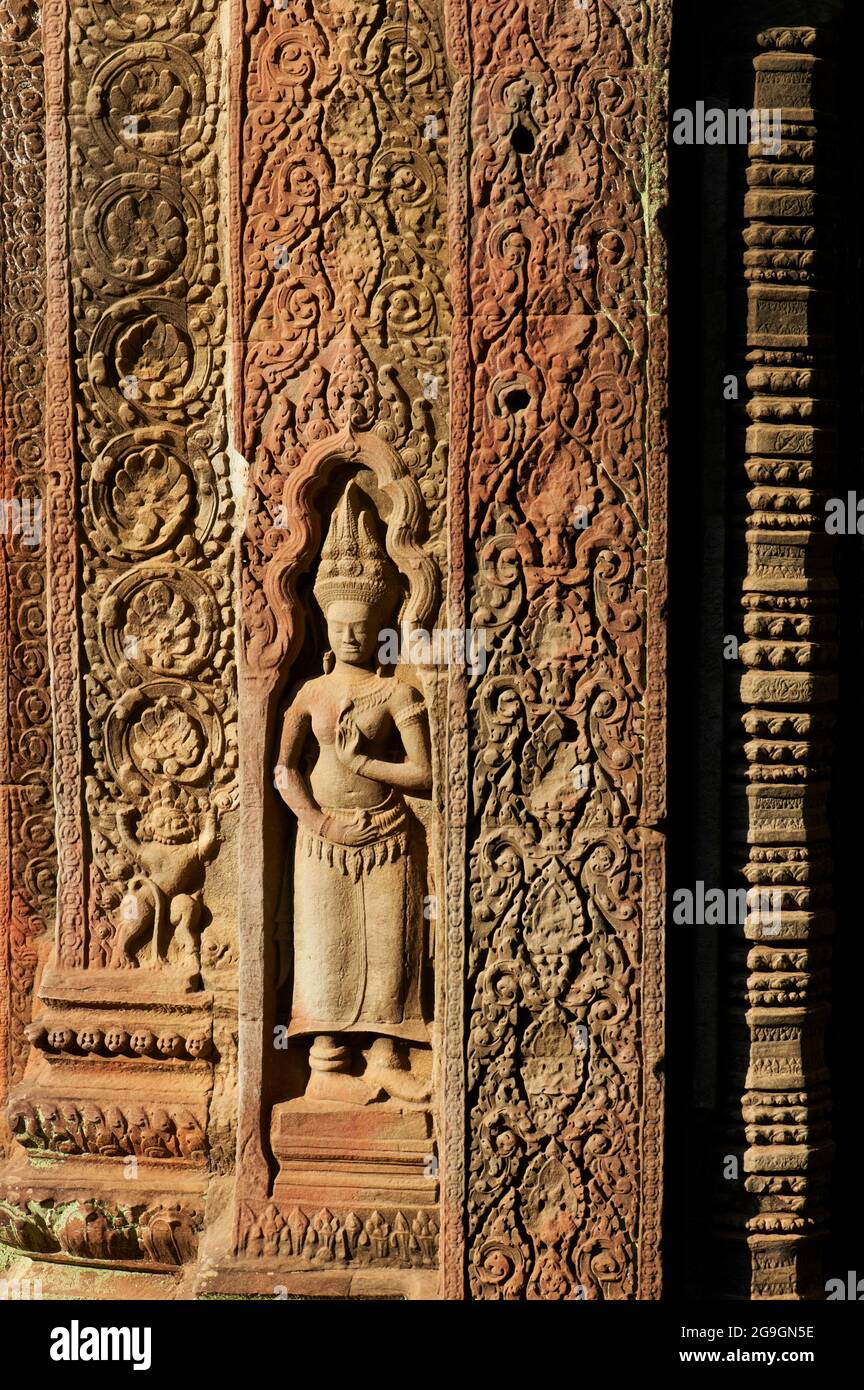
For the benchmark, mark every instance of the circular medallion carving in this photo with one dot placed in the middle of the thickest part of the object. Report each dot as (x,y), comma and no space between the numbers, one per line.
(146,489)
(141,492)
(149,99)
(158,618)
(163,731)
(140,229)
(143,352)
(141,18)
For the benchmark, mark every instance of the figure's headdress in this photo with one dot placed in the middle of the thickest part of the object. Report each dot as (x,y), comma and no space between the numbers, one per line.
(353,565)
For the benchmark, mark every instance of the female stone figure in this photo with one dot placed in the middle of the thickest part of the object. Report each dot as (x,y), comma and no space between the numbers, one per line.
(358,883)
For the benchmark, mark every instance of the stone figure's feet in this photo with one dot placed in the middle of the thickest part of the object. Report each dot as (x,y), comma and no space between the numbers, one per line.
(339,1086)
(330,1077)
(386,1069)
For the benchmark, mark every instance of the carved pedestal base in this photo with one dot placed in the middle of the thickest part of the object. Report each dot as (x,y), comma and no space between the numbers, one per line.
(111,1079)
(354,1205)
(348,1158)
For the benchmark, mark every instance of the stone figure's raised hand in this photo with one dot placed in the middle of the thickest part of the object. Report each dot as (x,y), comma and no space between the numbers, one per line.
(348,740)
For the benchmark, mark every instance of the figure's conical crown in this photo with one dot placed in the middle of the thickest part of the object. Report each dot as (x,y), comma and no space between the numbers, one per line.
(353,566)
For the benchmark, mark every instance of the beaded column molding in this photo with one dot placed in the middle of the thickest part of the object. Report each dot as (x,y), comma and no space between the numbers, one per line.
(779,828)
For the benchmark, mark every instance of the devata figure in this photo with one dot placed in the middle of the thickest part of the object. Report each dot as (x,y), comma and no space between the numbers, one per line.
(358,879)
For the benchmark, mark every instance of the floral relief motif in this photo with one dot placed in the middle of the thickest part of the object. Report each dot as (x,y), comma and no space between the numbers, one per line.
(156,597)
(154,358)
(28,883)
(142,236)
(553,343)
(150,497)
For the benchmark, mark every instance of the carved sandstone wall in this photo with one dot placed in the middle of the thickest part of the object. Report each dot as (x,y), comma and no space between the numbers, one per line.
(290,247)
(558,522)
(28,873)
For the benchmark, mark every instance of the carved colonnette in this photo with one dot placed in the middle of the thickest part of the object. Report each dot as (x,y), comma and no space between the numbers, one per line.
(560,350)
(133,1034)
(26,812)
(781,782)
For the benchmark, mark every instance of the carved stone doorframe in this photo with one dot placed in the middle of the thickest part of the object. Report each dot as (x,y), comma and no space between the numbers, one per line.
(402,213)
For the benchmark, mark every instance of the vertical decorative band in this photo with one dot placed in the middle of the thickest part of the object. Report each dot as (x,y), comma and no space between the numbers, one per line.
(28,870)
(139,536)
(789,686)
(63,546)
(565,541)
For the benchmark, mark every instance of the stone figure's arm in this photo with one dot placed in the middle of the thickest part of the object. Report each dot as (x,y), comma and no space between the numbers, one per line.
(414,773)
(290,782)
(207,837)
(124,828)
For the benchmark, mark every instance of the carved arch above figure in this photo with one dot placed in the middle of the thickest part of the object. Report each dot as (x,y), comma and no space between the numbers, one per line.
(272,638)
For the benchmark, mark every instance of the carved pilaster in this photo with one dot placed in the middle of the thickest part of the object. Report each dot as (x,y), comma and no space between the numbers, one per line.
(127,1043)
(339,151)
(559,349)
(779,827)
(27,859)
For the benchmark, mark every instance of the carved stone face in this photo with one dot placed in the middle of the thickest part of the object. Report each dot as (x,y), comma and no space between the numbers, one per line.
(116,1040)
(61,1039)
(170,1044)
(116,1121)
(138,1123)
(161,1123)
(36,1033)
(168,826)
(89,1039)
(197,1044)
(71,1118)
(142,1042)
(353,631)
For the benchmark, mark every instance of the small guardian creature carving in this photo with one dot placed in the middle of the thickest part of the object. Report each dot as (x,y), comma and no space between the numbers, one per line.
(164,900)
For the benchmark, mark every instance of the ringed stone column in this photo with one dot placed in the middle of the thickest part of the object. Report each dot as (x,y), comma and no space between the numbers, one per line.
(789,598)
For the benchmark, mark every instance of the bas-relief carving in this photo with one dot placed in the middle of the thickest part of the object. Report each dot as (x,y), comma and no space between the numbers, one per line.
(358,889)
(339,138)
(562,472)
(132,1043)
(158,1237)
(27,877)
(342,278)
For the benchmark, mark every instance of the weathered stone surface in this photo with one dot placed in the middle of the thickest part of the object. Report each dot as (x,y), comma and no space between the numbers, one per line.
(780,778)
(354,421)
(559,532)
(28,870)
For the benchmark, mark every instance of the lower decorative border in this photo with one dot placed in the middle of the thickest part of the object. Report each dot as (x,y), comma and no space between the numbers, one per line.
(157,1238)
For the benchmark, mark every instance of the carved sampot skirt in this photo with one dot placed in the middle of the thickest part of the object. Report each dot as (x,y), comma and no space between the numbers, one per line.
(358,931)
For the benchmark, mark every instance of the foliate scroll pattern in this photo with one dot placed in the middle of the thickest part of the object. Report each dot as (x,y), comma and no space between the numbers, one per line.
(558,334)
(161,1236)
(344,294)
(149,309)
(27,882)
(788,690)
